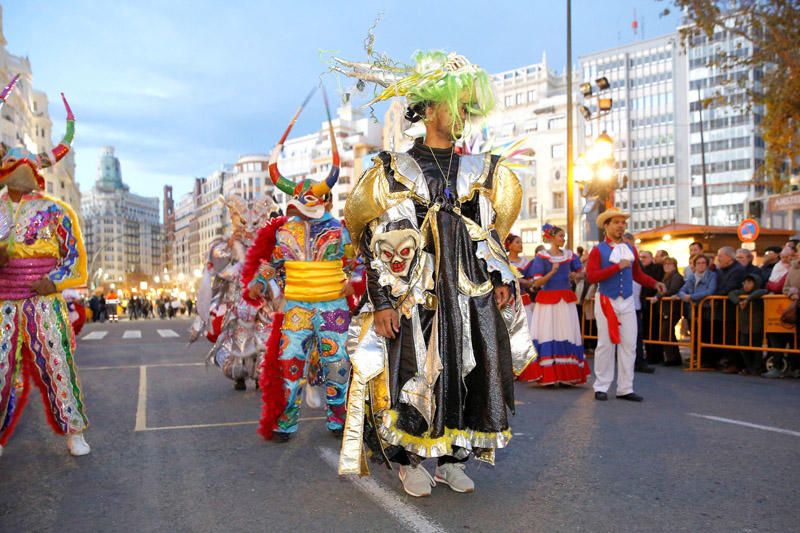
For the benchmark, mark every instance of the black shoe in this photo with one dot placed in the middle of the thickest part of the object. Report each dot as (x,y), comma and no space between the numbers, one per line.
(644,369)
(240,385)
(674,362)
(602,396)
(338,433)
(280,436)
(631,397)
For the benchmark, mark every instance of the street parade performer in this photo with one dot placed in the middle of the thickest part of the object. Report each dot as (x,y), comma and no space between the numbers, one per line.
(614,265)
(306,251)
(41,255)
(554,324)
(443,331)
(238,329)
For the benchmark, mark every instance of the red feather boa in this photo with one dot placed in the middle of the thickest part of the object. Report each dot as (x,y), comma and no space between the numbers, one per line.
(262,249)
(271,382)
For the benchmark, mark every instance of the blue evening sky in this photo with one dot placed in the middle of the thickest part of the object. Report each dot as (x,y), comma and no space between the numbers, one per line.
(182,87)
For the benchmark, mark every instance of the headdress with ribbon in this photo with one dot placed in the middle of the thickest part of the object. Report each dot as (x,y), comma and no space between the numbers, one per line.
(21,168)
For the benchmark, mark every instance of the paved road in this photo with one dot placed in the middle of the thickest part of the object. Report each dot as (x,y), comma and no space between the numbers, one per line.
(174,448)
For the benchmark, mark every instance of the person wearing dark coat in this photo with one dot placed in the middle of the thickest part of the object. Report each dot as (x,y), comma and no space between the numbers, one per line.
(772,256)
(730,276)
(751,321)
(668,315)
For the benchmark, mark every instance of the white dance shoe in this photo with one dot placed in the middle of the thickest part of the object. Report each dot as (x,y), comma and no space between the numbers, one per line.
(77,445)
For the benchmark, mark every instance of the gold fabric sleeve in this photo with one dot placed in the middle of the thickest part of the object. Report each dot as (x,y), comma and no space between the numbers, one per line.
(506,197)
(366,201)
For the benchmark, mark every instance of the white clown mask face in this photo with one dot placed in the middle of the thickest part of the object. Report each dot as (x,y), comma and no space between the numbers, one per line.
(397,250)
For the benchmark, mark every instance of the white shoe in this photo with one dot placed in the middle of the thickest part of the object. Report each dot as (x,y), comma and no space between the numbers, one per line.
(416,481)
(77,445)
(1,451)
(452,475)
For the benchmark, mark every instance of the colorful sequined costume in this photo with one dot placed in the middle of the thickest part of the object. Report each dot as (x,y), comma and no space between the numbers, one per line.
(430,223)
(42,240)
(306,252)
(238,329)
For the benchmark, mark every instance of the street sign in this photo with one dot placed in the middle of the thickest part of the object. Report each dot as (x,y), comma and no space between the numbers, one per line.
(748,230)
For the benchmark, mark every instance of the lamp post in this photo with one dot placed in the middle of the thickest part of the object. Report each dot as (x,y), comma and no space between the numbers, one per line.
(570,170)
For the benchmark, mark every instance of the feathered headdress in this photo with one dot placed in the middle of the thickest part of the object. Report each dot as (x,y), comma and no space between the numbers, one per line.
(435,78)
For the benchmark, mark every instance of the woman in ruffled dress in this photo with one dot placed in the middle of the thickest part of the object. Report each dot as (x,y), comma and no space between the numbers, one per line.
(555,327)
(513,246)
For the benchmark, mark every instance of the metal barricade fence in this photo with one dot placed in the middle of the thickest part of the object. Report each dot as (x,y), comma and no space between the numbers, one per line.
(723,325)
(713,323)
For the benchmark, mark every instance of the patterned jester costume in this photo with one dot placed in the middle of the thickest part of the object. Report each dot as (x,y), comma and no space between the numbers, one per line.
(238,329)
(41,243)
(305,251)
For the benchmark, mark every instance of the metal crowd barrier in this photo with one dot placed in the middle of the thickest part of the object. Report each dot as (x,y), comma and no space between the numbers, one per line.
(718,327)
(712,323)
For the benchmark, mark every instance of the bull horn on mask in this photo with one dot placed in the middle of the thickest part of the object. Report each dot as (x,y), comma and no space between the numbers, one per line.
(7,90)
(285,185)
(321,189)
(63,148)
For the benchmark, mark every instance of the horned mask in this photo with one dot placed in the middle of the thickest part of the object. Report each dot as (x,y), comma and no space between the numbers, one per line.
(308,196)
(21,169)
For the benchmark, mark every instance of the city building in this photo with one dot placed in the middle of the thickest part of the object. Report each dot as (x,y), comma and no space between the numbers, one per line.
(169,226)
(531,103)
(729,140)
(186,248)
(26,121)
(309,156)
(649,125)
(122,230)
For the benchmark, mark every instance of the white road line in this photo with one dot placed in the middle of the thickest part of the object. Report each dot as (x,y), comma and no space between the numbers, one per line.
(747,424)
(124,367)
(132,334)
(219,425)
(409,516)
(165,333)
(94,336)
(141,405)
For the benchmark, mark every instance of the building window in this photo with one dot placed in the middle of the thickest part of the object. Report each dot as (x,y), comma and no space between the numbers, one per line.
(556,123)
(509,101)
(557,150)
(532,208)
(558,200)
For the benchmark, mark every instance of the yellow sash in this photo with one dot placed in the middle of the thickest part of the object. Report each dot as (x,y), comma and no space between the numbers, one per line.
(314,281)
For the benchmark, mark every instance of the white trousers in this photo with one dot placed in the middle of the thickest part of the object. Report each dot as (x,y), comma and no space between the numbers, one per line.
(625,350)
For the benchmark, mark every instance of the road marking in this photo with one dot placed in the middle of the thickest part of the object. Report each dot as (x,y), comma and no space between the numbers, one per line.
(166,333)
(132,334)
(95,335)
(747,424)
(219,425)
(124,367)
(141,406)
(408,515)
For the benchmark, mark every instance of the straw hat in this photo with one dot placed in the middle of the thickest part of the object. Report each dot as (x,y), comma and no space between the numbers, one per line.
(608,214)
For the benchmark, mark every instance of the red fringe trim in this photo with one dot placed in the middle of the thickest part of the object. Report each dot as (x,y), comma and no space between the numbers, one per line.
(262,248)
(271,382)
(568,373)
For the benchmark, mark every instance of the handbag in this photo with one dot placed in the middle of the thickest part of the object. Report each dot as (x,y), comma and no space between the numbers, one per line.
(789,315)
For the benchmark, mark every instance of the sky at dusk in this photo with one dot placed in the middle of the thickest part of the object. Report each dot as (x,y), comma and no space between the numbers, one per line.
(181,88)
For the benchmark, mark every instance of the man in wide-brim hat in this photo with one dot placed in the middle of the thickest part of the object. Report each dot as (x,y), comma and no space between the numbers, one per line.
(613,265)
